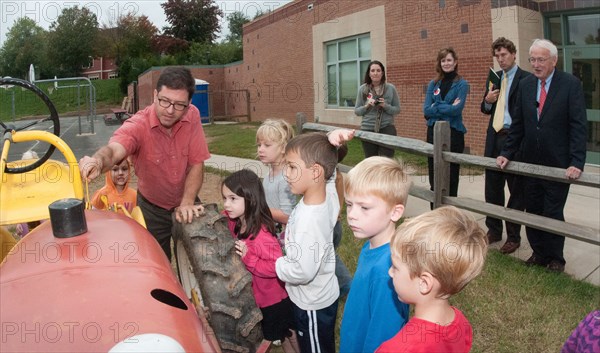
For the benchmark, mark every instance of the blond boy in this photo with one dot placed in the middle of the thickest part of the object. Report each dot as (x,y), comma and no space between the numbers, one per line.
(376,191)
(434,256)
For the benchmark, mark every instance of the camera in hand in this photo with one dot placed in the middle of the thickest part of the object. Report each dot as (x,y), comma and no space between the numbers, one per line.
(376,98)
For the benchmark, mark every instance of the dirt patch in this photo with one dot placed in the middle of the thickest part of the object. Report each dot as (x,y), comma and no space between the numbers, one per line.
(211,189)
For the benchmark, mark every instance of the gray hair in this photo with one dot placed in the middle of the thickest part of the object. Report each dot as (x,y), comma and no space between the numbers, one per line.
(544,44)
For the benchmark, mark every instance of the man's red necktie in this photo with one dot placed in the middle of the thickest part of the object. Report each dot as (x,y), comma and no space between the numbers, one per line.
(542,98)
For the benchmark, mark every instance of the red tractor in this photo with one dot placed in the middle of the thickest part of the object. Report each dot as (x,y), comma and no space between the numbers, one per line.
(97,281)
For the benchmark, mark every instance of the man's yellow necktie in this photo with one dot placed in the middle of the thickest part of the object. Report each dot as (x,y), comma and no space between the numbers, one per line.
(498,123)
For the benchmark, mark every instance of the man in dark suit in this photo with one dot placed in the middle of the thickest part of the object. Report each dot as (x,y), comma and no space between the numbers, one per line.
(550,128)
(499,102)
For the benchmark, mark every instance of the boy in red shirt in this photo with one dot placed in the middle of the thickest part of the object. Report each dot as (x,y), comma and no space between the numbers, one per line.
(434,256)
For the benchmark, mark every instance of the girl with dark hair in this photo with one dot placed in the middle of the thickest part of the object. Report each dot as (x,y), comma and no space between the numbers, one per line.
(251,224)
(377,102)
(444,101)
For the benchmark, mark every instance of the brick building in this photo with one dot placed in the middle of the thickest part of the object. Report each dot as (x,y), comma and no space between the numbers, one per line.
(100,69)
(310,56)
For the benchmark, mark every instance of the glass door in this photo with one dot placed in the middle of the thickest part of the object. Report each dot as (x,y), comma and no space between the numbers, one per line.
(584,63)
(577,36)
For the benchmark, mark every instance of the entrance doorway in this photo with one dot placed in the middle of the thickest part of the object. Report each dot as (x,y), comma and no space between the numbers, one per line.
(584,63)
(577,36)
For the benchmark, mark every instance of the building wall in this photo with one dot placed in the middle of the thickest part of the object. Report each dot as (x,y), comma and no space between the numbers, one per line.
(417,31)
(284,73)
(397,39)
(214,75)
(370,20)
(521,25)
(101,69)
(277,68)
(234,95)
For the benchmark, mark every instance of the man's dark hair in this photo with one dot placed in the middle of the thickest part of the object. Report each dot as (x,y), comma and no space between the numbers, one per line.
(503,43)
(177,77)
(342,151)
(314,148)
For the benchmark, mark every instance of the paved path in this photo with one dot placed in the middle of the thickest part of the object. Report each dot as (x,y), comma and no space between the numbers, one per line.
(583,204)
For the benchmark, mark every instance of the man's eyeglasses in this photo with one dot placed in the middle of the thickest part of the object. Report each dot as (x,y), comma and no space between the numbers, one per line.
(167,104)
(539,60)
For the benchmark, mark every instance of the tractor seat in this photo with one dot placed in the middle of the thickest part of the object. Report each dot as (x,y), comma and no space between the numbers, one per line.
(25,197)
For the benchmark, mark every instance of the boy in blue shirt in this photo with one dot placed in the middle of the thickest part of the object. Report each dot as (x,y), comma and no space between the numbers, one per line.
(376,191)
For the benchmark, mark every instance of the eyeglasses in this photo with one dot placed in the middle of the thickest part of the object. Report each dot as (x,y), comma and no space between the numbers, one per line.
(167,104)
(539,60)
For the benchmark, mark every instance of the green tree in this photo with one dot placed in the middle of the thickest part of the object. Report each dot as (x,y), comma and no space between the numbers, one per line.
(131,36)
(236,22)
(192,20)
(168,45)
(71,40)
(25,45)
(214,54)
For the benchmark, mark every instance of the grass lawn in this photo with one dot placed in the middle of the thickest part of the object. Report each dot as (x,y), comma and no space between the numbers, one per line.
(512,308)
(67,100)
(220,137)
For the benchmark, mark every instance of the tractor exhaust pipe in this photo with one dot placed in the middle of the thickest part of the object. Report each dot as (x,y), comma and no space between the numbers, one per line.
(68,218)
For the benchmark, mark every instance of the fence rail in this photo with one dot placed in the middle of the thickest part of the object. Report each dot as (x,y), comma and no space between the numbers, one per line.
(442,159)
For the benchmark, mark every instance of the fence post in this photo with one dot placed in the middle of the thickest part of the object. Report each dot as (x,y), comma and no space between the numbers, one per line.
(300,120)
(441,168)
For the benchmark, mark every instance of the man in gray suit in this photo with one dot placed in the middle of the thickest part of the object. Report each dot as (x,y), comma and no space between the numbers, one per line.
(550,128)
(499,103)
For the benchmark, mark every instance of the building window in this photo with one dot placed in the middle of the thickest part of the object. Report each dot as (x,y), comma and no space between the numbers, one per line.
(113,75)
(584,29)
(346,62)
(89,64)
(93,77)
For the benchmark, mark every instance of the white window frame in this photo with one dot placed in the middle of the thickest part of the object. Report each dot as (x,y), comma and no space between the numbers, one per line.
(337,63)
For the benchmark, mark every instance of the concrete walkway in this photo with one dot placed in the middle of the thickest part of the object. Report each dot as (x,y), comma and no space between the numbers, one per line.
(583,204)
(582,208)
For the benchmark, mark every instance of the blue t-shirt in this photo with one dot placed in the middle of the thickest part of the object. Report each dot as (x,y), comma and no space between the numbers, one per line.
(373,313)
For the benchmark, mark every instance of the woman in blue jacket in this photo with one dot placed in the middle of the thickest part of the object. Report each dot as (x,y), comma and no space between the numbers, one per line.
(444,101)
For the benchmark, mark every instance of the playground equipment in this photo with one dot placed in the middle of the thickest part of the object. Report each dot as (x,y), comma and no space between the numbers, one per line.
(91,97)
(97,281)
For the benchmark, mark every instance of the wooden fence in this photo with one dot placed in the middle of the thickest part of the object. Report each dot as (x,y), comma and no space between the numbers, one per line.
(442,158)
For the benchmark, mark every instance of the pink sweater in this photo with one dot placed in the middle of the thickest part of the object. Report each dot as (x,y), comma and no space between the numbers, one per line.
(263,250)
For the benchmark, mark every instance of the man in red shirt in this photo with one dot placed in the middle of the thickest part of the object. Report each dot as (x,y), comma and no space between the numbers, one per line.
(167,146)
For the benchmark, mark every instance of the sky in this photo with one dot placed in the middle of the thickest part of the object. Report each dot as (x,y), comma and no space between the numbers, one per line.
(45,12)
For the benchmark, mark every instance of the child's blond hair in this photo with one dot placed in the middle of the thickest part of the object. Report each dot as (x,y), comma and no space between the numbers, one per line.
(277,131)
(383,177)
(446,242)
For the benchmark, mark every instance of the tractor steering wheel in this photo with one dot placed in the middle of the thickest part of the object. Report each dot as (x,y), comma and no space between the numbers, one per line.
(8,128)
